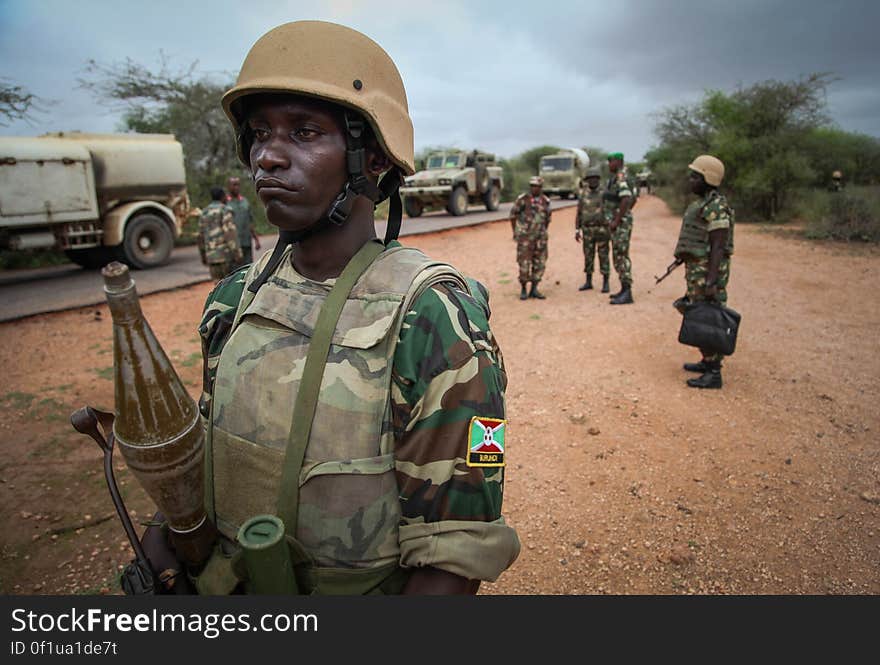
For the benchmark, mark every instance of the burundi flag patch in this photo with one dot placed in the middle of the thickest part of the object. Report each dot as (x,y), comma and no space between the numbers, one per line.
(486,442)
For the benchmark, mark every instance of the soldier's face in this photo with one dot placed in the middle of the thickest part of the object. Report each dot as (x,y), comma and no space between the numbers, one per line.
(536,189)
(234,186)
(297,158)
(614,165)
(697,182)
(593,182)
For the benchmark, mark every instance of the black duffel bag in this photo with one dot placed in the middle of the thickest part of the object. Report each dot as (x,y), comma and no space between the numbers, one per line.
(710,326)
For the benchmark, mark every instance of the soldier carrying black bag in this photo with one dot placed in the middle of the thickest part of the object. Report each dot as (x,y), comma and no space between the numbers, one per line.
(705,245)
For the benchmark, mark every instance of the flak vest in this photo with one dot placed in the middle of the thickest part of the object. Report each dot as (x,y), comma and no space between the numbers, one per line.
(590,212)
(346,538)
(693,239)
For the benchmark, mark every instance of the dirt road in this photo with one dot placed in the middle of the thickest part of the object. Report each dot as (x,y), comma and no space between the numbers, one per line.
(620,478)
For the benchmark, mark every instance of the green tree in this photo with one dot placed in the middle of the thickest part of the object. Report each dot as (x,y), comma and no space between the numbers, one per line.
(181,102)
(761,133)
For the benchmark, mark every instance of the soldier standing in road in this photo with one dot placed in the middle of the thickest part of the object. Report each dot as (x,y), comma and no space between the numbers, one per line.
(244,221)
(529,219)
(592,225)
(353,391)
(618,198)
(705,245)
(218,239)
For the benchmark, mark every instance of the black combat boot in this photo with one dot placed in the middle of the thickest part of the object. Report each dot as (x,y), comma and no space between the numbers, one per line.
(711,378)
(624,297)
(523,294)
(534,293)
(605,286)
(587,285)
(617,293)
(700,367)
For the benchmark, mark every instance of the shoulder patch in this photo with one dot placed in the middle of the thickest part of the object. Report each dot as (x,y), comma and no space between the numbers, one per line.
(486,442)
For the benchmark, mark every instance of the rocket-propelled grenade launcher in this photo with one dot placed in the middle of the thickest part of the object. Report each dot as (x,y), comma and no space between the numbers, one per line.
(157,427)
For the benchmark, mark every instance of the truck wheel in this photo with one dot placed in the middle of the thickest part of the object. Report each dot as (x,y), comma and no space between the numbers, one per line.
(412,206)
(492,198)
(92,258)
(458,201)
(148,241)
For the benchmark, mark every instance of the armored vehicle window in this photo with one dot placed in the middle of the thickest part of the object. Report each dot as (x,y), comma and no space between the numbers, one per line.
(435,161)
(452,161)
(556,163)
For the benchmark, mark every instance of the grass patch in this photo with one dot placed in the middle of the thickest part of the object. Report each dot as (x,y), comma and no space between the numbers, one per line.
(104,372)
(18,400)
(192,360)
(504,281)
(535,317)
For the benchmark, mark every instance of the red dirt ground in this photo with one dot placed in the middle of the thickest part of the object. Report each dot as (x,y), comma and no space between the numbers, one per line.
(620,479)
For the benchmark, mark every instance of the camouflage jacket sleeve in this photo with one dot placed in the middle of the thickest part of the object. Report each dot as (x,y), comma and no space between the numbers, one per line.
(547,207)
(516,208)
(717,214)
(214,329)
(623,188)
(230,233)
(448,370)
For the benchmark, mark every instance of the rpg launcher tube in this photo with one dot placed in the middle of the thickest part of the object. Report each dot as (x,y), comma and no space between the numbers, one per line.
(267,556)
(157,424)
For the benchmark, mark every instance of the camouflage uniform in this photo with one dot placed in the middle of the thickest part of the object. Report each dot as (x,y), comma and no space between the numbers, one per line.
(708,214)
(529,217)
(218,239)
(244,224)
(618,188)
(386,485)
(594,231)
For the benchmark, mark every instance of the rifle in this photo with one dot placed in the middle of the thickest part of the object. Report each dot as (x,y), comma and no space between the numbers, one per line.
(672,266)
(139,577)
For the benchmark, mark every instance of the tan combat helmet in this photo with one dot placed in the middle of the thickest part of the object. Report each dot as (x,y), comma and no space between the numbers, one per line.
(711,168)
(593,172)
(334,63)
(536,180)
(340,65)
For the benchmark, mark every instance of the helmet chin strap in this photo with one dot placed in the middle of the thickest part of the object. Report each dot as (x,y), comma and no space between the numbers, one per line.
(340,210)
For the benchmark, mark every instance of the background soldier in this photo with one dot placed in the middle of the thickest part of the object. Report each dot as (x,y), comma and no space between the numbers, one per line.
(244,221)
(618,198)
(218,239)
(529,219)
(591,223)
(836,182)
(705,244)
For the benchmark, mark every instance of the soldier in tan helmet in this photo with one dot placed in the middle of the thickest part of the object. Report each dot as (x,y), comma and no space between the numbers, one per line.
(705,245)
(353,391)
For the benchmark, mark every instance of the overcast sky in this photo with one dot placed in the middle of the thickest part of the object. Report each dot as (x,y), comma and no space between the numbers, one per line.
(501,76)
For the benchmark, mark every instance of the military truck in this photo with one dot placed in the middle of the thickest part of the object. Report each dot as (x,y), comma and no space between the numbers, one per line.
(97,197)
(564,171)
(454,179)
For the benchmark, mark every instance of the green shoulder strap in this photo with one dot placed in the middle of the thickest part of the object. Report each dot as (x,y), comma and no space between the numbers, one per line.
(310,384)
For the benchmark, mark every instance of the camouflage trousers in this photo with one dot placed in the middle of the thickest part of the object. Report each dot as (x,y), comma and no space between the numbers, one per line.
(595,240)
(695,277)
(220,270)
(620,250)
(531,255)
